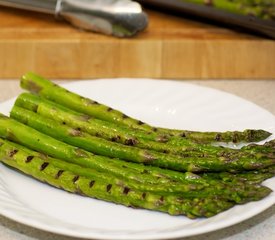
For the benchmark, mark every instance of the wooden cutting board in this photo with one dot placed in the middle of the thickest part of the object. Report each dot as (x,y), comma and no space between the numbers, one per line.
(171,47)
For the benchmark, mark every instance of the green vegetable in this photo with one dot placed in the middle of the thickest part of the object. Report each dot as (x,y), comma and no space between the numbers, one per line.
(103,147)
(112,132)
(238,193)
(136,164)
(55,93)
(97,127)
(96,187)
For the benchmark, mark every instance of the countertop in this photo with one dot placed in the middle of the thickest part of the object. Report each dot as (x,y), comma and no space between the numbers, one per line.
(171,47)
(260,227)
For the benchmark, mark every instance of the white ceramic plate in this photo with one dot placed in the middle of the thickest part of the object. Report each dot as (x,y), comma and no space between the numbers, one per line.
(162,103)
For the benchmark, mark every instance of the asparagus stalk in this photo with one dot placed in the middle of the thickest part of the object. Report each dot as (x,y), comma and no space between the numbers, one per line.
(107,131)
(235,193)
(249,177)
(88,142)
(97,127)
(111,191)
(144,174)
(103,147)
(17,132)
(55,93)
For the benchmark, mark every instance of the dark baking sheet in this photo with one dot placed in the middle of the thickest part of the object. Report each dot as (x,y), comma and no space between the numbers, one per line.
(246,23)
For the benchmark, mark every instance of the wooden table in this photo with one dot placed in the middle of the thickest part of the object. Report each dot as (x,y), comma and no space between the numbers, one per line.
(171,47)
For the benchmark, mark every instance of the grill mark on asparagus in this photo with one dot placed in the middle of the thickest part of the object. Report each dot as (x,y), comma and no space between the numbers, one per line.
(160,201)
(183,135)
(75,178)
(202,155)
(75,132)
(109,187)
(13,152)
(29,159)
(59,173)
(235,138)
(162,138)
(43,166)
(110,109)
(34,87)
(43,156)
(35,108)
(218,137)
(126,190)
(91,184)
(11,136)
(81,153)
(115,138)
(124,116)
(97,134)
(143,195)
(148,157)
(130,142)
(154,129)
(88,102)
(85,118)
(185,155)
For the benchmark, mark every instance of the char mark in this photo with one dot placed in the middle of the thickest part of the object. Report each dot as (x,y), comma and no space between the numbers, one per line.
(75,178)
(13,152)
(109,187)
(126,190)
(43,166)
(29,159)
(91,184)
(59,173)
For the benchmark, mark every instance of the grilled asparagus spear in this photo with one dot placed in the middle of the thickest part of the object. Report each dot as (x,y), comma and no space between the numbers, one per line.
(111,191)
(17,132)
(97,127)
(249,177)
(101,146)
(112,132)
(238,193)
(55,93)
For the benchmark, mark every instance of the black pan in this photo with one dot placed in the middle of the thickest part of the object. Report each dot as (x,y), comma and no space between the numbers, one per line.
(249,23)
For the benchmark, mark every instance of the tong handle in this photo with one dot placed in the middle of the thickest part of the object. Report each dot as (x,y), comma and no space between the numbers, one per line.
(45,6)
(121,18)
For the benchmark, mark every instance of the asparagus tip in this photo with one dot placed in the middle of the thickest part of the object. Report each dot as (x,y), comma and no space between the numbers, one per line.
(257,135)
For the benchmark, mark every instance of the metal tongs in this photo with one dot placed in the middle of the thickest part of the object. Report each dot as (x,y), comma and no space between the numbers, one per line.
(121,18)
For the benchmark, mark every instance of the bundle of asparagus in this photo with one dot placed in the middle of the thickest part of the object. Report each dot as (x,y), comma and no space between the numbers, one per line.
(82,146)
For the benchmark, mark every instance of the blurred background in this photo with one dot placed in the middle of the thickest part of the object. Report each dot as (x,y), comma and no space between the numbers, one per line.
(213,40)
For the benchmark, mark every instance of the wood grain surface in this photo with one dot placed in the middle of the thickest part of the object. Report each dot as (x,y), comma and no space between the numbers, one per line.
(171,47)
